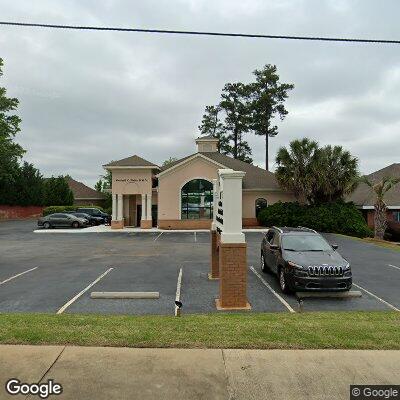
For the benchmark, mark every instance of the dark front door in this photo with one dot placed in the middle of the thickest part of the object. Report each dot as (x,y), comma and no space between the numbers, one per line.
(138,214)
(154,211)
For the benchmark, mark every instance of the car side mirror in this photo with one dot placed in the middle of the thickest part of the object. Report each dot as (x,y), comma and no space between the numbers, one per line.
(274,247)
(335,246)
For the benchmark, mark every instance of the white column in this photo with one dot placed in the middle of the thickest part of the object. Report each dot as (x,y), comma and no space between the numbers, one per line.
(114,207)
(231,183)
(215,203)
(120,209)
(148,210)
(144,210)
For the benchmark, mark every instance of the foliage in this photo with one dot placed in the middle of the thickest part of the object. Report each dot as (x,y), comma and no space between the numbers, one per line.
(267,97)
(380,189)
(57,191)
(316,174)
(169,161)
(337,217)
(105,184)
(64,209)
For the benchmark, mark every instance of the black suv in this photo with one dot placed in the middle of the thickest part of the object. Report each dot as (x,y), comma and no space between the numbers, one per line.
(303,260)
(95,212)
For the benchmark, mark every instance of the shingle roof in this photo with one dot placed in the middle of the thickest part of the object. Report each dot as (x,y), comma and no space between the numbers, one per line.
(132,161)
(363,195)
(255,178)
(81,191)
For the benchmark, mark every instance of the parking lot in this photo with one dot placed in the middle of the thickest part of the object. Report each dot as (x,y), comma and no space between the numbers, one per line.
(57,272)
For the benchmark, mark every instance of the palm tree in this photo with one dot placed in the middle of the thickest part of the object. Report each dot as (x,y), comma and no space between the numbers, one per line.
(380,188)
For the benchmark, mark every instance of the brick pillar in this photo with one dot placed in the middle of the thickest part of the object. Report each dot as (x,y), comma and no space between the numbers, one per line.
(214,274)
(233,276)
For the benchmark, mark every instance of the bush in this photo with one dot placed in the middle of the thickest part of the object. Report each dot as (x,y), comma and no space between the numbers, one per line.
(63,209)
(336,217)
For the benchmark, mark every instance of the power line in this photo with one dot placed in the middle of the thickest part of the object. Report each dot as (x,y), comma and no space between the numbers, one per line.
(200,33)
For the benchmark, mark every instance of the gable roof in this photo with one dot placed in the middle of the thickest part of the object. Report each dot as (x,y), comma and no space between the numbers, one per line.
(363,195)
(81,191)
(132,161)
(255,178)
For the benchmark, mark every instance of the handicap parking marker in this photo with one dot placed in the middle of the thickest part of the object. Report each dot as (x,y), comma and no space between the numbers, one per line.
(265,283)
(394,266)
(377,298)
(16,276)
(66,305)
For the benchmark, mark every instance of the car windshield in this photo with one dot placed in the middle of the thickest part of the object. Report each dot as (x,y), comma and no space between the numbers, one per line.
(305,243)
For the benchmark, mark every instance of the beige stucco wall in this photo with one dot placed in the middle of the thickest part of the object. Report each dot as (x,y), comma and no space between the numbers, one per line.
(170,185)
(131,181)
(249,200)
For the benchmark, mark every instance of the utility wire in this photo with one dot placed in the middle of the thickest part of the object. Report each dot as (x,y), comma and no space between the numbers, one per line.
(200,33)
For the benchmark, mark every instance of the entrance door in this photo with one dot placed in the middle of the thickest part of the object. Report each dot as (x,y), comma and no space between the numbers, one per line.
(138,214)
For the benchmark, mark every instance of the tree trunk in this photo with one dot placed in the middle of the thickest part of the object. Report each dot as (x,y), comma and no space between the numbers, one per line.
(266,152)
(380,219)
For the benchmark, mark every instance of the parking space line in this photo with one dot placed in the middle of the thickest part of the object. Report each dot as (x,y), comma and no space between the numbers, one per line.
(16,276)
(178,303)
(265,283)
(195,237)
(377,298)
(394,266)
(66,305)
(158,236)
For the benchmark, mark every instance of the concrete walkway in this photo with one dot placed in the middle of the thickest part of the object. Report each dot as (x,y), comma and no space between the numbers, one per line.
(123,373)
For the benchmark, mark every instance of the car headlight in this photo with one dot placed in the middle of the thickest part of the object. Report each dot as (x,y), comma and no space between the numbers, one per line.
(347,266)
(294,265)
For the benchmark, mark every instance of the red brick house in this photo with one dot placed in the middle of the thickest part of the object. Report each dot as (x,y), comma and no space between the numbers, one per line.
(85,195)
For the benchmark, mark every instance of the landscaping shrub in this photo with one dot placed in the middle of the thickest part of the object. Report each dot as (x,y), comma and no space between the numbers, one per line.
(63,209)
(335,217)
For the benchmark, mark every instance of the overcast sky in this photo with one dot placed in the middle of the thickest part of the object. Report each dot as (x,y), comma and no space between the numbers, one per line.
(87,98)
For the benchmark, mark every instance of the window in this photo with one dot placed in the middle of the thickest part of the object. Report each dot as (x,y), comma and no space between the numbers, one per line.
(197,200)
(396,216)
(260,205)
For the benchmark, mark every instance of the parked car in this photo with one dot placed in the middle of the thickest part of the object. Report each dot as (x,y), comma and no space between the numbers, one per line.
(64,220)
(303,260)
(92,219)
(95,212)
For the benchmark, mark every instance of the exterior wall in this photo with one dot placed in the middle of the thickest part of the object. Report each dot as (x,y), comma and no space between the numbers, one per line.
(170,185)
(249,201)
(131,181)
(370,217)
(88,202)
(20,212)
(185,224)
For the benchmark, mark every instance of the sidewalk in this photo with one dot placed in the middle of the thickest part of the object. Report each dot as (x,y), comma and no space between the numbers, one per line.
(129,373)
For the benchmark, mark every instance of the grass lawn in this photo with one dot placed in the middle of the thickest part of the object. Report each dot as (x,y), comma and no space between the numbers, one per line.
(330,330)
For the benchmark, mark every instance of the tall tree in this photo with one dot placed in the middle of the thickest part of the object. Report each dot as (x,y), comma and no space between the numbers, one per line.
(380,189)
(237,118)
(57,192)
(267,97)
(212,125)
(316,174)
(10,152)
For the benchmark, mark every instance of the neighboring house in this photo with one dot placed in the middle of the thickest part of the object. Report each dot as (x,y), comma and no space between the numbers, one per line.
(84,195)
(179,195)
(364,198)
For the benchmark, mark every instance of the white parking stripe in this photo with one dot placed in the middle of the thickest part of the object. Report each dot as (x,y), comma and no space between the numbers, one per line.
(16,276)
(376,297)
(280,298)
(66,305)
(393,266)
(158,236)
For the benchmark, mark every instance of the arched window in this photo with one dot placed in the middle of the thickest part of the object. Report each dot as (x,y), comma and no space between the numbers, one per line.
(260,205)
(197,199)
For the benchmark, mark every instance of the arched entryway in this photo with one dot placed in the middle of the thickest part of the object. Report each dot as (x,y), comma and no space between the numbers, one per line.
(197,199)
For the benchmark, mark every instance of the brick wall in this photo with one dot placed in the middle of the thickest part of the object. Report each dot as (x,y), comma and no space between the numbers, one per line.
(20,212)
(184,223)
(249,222)
(370,217)
(233,275)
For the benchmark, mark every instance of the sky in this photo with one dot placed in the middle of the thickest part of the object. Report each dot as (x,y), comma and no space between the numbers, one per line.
(87,98)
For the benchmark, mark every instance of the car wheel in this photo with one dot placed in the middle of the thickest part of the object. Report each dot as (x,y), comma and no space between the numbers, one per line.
(283,281)
(75,224)
(46,225)
(264,267)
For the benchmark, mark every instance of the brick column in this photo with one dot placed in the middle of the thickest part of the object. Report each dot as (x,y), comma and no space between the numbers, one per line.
(214,274)
(233,276)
